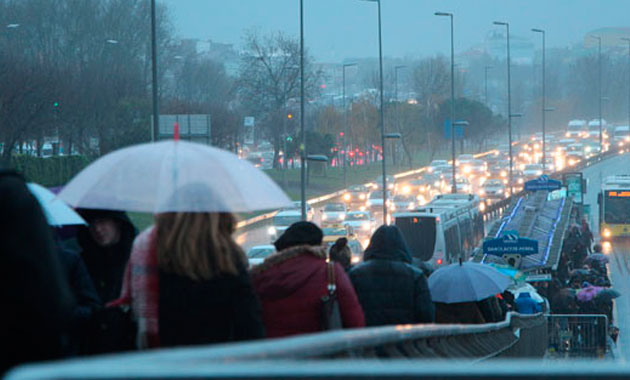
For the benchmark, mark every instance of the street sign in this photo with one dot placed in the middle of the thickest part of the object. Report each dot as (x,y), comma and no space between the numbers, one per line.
(248,121)
(543,183)
(510,243)
(574,183)
(459,130)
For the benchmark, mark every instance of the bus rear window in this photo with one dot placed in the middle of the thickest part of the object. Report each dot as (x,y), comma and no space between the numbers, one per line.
(420,234)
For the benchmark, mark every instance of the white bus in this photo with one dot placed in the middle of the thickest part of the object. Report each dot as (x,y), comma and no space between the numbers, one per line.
(444,230)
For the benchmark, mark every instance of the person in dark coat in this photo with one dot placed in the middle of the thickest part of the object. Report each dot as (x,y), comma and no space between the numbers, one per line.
(36,300)
(105,247)
(87,301)
(458,313)
(292,282)
(205,292)
(390,289)
(340,253)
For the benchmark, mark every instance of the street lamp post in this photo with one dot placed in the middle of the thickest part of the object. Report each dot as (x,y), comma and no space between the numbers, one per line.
(542,32)
(303,135)
(454,184)
(396,68)
(628,41)
(380,116)
(509,96)
(345,123)
(154,73)
(599,68)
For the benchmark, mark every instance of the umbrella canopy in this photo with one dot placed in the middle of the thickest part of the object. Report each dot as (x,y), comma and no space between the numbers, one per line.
(56,211)
(466,282)
(173,176)
(526,288)
(509,271)
(588,293)
(607,294)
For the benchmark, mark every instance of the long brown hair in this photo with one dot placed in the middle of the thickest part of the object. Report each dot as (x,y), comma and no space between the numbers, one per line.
(198,245)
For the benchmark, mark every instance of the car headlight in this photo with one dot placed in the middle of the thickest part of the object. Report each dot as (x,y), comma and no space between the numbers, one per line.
(467,169)
(342,216)
(368,203)
(568,134)
(410,207)
(271,230)
(392,206)
(539,172)
(324,216)
(627,138)
(500,191)
(362,196)
(520,180)
(482,192)
(355,259)
(606,233)
(366,226)
(347,197)
(406,189)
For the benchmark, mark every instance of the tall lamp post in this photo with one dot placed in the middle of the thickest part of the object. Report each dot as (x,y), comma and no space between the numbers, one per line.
(154,74)
(628,41)
(303,135)
(509,96)
(396,68)
(345,123)
(454,185)
(542,32)
(380,116)
(485,83)
(599,68)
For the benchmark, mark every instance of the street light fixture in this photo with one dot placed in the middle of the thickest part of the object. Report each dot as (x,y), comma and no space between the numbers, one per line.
(628,41)
(446,14)
(542,32)
(509,90)
(345,123)
(381,118)
(599,65)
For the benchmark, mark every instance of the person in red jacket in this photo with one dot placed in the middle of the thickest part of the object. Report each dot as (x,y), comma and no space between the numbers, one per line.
(291,283)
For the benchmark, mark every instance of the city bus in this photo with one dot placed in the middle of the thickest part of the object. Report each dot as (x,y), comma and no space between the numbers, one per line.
(444,230)
(614,207)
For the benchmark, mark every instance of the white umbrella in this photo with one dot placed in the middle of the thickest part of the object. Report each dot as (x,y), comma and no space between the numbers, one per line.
(173,176)
(57,212)
(526,288)
(466,282)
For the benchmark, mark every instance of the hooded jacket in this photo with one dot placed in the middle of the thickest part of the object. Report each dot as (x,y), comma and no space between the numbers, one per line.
(390,289)
(106,265)
(290,285)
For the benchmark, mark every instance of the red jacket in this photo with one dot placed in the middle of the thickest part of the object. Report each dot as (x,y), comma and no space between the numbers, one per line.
(290,285)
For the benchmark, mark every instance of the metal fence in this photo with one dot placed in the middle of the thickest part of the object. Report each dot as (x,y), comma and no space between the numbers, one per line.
(578,334)
(517,336)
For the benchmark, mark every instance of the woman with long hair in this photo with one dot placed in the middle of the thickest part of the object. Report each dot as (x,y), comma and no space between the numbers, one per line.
(187,283)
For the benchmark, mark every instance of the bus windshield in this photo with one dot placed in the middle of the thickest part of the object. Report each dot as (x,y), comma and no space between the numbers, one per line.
(420,235)
(617,210)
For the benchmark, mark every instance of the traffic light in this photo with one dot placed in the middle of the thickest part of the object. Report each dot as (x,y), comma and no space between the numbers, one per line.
(290,116)
(341,134)
(56,104)
(289,138)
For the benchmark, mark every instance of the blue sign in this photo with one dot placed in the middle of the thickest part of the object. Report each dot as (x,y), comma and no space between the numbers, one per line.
(543,183)
(510,243)
(459,130)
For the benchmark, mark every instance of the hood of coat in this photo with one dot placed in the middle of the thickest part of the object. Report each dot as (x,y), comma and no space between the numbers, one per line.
(387,243)
(281,274)
(127,233)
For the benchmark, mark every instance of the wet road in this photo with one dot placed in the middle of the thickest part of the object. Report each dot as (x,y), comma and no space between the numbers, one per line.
(619,266)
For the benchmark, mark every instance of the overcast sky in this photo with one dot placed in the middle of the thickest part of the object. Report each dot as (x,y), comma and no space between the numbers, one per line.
(338,29)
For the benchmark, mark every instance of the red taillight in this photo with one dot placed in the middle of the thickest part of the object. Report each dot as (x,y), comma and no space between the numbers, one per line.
(439,262)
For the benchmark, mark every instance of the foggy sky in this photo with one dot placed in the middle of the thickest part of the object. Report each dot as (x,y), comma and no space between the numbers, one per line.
(338,29)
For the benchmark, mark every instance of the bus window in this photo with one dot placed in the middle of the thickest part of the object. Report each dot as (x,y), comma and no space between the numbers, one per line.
(616,209)
(420,234)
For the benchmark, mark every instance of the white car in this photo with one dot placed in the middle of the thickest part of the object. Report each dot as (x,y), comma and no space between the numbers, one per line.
(334,213)
(493,189)
(531,171)
(463,159)
(361,221)
(258,253)
(281,221)
(375,200)
(437,164)
(310,212)
(403,203)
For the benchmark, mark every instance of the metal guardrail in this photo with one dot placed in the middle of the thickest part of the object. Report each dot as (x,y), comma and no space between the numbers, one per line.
(516,336)
(578,334)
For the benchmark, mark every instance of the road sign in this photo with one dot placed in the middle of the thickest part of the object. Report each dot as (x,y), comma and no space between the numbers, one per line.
(510,243)
(574,183)
(459,130)
(248,121)
(543,183)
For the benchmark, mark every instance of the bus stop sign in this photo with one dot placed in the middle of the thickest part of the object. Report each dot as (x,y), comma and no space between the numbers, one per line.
(510,243)
(574,184)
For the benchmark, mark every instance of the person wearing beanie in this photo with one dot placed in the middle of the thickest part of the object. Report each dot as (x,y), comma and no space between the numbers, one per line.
(291,283)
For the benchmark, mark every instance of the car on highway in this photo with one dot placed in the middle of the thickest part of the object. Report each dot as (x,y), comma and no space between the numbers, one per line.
(334,213)
(531,171)
(355,194)
(403,202)
(375,200)
(356,249)
(464,159)
(335,231)
(493,189)
(435,165)
(310,212)
(362,222)
(463,185)
(389,180)
(258,253)
(281,221)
